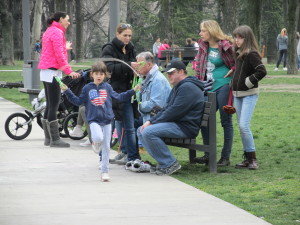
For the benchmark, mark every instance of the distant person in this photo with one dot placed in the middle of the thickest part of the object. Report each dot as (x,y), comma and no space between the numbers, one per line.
(249,70)
(37,48)
(155,49)
(188,45)
(195,43)
(180,118)
(97,97)
(215,62)
(282,46)
(54,60)
(298,50)
(164,46)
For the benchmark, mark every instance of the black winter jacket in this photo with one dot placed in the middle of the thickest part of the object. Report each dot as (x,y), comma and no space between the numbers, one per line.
(121,75)
(249,70)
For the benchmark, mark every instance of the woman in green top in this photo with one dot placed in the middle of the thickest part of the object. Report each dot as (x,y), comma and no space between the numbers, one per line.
(215,61)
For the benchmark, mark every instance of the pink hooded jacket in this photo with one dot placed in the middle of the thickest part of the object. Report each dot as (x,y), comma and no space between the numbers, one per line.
(54,52)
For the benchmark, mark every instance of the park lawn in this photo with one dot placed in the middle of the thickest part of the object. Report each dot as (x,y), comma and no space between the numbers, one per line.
(272,192)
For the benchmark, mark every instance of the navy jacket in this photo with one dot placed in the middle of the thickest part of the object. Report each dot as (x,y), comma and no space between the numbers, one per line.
(184,106)
(98,101)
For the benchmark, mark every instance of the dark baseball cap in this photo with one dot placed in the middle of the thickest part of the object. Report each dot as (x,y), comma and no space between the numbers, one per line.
(173,65)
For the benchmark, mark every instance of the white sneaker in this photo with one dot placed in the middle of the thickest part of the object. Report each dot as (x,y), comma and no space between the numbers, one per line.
(276,69)
(284,68)
(105,177)
(77,132)
(86,143)
(96,147)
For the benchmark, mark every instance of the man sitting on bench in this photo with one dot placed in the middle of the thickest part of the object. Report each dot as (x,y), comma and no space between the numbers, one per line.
(180,118)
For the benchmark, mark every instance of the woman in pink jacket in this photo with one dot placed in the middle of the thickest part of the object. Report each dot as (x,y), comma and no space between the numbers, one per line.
(54,60)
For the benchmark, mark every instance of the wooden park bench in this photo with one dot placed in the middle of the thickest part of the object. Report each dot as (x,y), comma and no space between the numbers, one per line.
(208,120)
(180,53)
(5,84)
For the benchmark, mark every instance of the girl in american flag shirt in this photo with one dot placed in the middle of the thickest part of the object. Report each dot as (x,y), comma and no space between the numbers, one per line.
(97,97)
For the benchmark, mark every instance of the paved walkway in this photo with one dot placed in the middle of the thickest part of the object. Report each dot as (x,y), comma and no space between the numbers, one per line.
(50,186)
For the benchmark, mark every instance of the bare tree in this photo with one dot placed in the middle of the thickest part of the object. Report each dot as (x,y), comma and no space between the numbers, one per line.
(17,27)
(7,33)
(292,41)
(36,26)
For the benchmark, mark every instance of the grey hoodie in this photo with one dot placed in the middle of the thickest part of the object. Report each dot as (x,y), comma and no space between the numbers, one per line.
(282,42)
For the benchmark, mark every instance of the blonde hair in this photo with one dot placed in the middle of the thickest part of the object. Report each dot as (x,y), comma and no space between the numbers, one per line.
(215,30)
(100,67)
(249,44)
(283,32)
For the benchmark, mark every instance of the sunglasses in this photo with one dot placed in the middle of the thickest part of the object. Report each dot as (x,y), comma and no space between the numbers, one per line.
(124,25)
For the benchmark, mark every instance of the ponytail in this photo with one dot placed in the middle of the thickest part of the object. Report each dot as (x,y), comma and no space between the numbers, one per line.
(56,17)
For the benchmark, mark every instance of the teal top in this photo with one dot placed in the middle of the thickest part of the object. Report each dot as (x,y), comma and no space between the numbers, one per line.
(216,69)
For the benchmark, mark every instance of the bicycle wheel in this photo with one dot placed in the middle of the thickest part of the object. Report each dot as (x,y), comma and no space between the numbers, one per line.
(18,126)
(70,123)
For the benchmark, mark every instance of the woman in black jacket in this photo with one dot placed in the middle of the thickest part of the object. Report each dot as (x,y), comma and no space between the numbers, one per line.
(121,80)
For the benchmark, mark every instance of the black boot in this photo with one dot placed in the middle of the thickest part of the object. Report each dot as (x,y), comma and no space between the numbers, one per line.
(245,163)
(46,132)
(202,160)
(252,161)
(54,135)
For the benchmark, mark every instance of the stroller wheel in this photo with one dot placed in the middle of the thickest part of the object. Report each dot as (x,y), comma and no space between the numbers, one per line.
(70,123)
(18,126)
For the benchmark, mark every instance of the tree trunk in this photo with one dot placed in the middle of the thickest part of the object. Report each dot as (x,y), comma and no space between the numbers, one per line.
(36,26)
(79,30)
(17,27)
(7,34)
(60,6)
(254,13)
(229,17)
(292,40)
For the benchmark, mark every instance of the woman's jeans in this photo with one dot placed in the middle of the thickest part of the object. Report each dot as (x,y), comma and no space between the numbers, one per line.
(282,53)
(102,134)
(244,109)
(129,138)
(222,95)
(155,146)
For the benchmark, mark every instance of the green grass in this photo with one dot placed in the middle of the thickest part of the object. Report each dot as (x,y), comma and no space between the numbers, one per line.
(273,191)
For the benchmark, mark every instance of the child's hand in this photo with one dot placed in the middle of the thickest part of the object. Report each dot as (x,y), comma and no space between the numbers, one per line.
(137,87)
(63,87)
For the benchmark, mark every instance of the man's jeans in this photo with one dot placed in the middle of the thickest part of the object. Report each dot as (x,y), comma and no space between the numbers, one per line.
(244,109)
(155,146)
(222,95)
(129,138)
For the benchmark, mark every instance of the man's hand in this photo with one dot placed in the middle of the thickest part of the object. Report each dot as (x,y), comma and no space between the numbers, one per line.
(148,123)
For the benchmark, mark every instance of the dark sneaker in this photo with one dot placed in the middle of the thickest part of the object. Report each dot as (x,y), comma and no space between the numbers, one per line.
(168,171)
(223,162)
(202,160)
(120,156)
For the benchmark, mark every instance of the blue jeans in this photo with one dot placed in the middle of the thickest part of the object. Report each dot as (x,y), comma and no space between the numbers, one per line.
(155,146)
(129,138)
(222,95)
(298,62)
(244,109)
(121,140)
